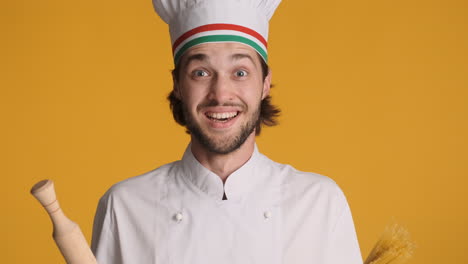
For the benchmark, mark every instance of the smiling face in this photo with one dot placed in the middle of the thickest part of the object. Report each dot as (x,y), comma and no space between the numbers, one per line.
(221,88)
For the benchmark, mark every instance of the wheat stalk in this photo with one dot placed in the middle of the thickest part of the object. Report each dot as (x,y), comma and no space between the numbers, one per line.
(393,247)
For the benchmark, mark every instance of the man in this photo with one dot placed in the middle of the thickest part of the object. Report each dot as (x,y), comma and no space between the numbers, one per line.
(224,202)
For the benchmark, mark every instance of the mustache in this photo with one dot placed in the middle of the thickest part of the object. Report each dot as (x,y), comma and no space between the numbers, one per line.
(213,103)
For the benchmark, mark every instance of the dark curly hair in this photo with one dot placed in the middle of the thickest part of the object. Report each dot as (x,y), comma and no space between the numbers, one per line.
(268,112)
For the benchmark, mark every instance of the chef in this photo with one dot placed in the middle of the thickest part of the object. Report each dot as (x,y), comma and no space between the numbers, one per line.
(224,201)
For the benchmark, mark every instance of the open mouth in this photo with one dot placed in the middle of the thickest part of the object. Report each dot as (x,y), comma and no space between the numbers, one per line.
(221,117)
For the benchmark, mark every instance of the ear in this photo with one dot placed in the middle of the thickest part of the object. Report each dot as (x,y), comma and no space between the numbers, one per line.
(266,85)
(176,86)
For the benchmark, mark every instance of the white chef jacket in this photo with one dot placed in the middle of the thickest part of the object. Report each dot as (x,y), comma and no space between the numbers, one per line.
(273,214)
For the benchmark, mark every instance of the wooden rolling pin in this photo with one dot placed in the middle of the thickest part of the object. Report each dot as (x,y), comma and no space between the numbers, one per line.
(66,233)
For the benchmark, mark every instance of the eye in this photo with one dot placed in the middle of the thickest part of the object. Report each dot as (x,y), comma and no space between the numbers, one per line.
(199,73)
(241,73)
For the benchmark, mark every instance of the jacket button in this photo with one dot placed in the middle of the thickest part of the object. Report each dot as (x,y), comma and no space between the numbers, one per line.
(179,217)
(267,215)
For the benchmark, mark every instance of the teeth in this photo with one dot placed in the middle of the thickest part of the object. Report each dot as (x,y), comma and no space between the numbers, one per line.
(222,115)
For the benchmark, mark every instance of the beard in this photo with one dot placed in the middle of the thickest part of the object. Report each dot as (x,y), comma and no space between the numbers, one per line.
(224,145)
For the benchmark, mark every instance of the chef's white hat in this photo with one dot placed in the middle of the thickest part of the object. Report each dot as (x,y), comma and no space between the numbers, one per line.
(193,22)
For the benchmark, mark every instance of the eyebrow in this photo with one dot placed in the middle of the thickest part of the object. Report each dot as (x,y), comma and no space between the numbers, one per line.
(195,57)
(239,56)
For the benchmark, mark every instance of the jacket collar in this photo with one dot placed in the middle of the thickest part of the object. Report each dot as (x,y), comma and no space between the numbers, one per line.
(237,186)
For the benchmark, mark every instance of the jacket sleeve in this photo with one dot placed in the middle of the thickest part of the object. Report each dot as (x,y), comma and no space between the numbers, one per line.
(105,243)
(344,246)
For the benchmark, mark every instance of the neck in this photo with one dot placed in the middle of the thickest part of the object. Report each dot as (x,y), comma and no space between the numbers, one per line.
(224,164)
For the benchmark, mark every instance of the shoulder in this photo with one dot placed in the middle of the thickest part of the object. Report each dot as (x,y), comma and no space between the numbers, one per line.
(138,187)
(310,181)
(308,186)
(297,179)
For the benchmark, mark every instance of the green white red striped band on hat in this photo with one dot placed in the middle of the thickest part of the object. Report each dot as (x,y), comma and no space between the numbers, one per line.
(219,33)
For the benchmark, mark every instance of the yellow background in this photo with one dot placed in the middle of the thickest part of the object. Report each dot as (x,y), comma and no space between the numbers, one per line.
(374,95)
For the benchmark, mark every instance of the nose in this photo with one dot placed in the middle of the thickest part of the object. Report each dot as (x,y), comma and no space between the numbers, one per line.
(221,89)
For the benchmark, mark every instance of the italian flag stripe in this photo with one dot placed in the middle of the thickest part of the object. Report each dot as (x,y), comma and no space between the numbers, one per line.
(212,27)
(220,38)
